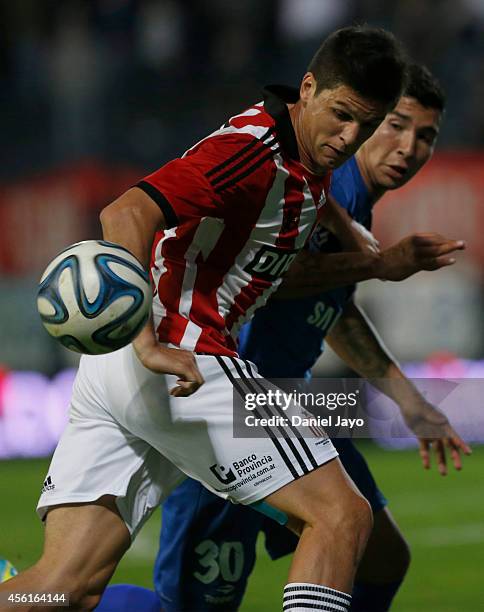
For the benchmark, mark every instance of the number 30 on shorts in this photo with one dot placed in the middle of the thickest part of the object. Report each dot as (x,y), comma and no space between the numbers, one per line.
(225,560)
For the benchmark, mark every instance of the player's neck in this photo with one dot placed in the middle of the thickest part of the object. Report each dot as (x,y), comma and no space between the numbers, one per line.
(304,157)
(375,190)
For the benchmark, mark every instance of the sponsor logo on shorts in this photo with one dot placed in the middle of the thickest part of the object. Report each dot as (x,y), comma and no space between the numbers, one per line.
(222,474)
(48,486)
(251,468)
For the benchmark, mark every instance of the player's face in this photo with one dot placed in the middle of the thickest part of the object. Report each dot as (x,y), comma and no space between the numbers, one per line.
(332,124)
(402,144)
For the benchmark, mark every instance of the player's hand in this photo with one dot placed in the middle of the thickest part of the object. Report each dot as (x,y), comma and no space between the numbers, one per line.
(163,360)
(418,252)
(435,433)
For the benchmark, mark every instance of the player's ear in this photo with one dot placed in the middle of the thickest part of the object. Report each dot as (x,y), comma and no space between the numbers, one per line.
(308,87)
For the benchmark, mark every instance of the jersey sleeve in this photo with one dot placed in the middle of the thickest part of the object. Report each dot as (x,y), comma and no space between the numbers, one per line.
(212,179)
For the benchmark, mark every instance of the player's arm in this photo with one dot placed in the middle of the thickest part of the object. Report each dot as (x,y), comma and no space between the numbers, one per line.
(313,273)
(355,340)
(132,221)
(352,235)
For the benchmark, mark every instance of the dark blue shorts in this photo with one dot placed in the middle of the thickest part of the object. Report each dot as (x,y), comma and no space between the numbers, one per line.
(207,545)
(127,598)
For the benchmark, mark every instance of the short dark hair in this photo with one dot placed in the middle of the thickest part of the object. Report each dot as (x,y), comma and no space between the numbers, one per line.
(424,87)
(369,60)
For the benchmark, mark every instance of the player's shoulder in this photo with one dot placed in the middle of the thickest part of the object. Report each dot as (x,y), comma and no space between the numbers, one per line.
(350,191)
(346,178)
(251,125)
(242,149)
(254,120)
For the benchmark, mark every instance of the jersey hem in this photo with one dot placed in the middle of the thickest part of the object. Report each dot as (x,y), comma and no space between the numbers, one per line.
(214,353)
(44,507)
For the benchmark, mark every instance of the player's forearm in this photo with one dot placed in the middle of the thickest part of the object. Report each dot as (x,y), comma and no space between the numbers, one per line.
(313,273)
(355,340)
(132,221)
(337,220)
(357,343)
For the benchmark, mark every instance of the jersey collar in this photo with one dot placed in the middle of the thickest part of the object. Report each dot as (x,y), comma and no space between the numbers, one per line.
(275,99)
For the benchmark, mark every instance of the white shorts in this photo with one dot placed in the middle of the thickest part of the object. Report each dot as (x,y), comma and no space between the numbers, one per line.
(129,438)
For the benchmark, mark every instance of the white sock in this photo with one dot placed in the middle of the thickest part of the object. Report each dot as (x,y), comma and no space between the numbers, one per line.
(304,597)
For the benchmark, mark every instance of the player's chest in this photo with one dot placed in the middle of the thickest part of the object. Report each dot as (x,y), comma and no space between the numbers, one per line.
(289,212)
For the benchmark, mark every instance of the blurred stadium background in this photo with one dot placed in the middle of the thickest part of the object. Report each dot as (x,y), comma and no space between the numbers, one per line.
(95,94)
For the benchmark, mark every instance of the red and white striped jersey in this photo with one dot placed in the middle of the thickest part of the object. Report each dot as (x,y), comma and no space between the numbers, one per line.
(239,206)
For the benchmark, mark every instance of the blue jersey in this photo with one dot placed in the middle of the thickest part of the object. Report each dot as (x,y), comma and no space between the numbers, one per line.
(285,337)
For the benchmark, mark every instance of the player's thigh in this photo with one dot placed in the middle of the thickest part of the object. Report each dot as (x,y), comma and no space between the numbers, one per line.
(318,495)
(387,553)
(90,539)
(359,471)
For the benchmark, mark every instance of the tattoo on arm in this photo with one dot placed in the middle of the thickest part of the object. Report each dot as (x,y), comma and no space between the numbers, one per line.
(355,340)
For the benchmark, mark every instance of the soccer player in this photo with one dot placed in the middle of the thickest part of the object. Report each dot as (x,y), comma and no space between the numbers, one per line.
(207,546)
(221,225)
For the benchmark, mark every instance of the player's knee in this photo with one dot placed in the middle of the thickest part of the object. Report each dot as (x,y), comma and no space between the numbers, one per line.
(78,586)
(81,599)
(81,596)
(357,518)
(348,519)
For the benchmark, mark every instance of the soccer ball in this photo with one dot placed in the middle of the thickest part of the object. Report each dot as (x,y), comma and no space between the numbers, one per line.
(94,297)
(7,570)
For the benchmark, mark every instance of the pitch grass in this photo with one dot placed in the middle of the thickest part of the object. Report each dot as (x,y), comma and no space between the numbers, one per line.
(443,519)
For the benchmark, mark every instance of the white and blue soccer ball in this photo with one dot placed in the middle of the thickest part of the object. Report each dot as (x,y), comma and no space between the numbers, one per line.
(7,570)
(94,297)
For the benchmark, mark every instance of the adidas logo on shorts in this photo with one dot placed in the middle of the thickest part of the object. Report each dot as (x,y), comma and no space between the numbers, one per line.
(48,486)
